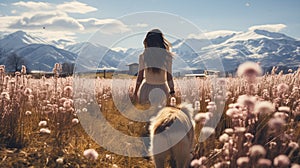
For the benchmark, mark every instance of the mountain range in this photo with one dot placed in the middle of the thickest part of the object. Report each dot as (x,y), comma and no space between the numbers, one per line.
(229,49)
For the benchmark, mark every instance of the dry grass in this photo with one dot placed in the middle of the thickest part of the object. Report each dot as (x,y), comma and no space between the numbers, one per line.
(25,102)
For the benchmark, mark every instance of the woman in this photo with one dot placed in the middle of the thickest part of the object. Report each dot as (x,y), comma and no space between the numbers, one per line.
(154,82)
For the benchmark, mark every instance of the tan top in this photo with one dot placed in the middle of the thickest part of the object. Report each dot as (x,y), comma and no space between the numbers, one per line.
(155,78)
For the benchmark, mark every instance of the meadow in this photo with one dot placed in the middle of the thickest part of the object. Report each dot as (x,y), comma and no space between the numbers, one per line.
(244,121)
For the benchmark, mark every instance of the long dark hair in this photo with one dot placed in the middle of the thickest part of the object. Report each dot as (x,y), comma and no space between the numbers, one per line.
(157,49)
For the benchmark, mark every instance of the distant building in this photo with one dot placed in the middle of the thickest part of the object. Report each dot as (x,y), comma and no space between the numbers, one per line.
(212,72)
(133,68)
(203,73)
(196,75)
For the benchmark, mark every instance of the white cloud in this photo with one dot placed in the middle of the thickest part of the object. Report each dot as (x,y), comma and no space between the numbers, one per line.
(269,27)
(212,34)
(43,17)
(8,20)
(52,21)
(247,4)
(76,7)
(59,25)
(106,26)
(67,23)
(55,21)
(33,5)
(141,25)
(68,7)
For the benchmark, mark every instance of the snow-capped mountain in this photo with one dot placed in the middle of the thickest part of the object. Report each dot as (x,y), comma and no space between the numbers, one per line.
(268,48)
(18,40)
(229,48)
(19,49)
(92,56)
(43,57)
(62,43)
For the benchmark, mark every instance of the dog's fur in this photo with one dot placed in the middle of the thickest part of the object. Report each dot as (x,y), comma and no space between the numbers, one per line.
(172,134)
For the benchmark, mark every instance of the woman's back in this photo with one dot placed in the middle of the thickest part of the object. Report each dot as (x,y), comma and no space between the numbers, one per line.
(156,71)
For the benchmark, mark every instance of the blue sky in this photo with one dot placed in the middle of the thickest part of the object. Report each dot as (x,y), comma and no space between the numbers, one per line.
(79,20)
(214,14)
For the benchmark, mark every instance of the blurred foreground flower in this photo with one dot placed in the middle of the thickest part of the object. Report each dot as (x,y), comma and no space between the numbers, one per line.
(264,107)
(249,70)
(257,151)
(281,161)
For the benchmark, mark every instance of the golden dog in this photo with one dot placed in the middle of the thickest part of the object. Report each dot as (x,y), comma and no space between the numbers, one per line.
(172,135)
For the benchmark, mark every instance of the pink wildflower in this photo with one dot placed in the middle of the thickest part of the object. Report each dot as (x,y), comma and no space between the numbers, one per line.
(282,87)
(75,121)
(224,137)
(42,123)
(45,131)
(247,101)
(91,154)
(284,109)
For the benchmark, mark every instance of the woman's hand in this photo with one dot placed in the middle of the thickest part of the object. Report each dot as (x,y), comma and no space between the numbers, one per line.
(172,93)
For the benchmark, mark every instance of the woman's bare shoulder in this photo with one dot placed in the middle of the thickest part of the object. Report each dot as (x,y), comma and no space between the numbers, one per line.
(141,55)
(170,56)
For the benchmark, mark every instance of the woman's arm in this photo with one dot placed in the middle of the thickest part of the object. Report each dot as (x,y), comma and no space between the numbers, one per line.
(139,80)
(140,76)
(170,83)
(169,76)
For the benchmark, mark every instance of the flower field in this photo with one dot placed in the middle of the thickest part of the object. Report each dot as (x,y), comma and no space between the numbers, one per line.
(244,121)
